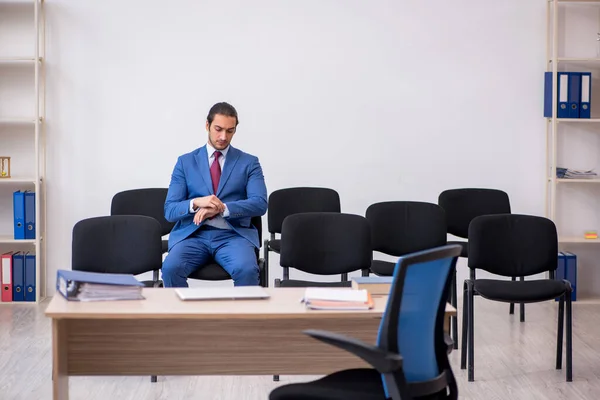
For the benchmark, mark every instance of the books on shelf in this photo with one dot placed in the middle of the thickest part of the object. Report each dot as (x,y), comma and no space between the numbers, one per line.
(337,299)
(567,173)
(376,285)
(94,286)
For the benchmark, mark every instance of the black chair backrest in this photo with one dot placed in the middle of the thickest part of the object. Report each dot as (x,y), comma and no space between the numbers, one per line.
(149,202)
(326,243)
(128,244)
(257,222)
(462,205)
(512,244)
(285,202)
(403,227)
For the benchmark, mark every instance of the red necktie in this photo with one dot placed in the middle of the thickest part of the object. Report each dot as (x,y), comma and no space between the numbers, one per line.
(215,172)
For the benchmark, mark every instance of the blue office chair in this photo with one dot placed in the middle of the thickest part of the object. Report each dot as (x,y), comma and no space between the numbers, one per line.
(410,359)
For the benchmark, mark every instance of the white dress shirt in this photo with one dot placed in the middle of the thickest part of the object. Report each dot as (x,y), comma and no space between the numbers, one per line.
(218,220)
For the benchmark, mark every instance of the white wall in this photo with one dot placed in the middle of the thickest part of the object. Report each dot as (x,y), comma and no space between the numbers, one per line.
(381,100)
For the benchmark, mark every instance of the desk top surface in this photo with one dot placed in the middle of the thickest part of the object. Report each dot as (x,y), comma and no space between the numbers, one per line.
(163,303)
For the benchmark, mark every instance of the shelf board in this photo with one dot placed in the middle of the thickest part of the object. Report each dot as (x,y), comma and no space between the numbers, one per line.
(17,60)
(576,239)
(9,181)
(10,240)
(596,180)
(578,1)
(17,121)
(578,120)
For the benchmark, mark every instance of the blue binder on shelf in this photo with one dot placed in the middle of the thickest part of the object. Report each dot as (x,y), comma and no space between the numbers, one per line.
(19,214)
(585,110)
(574,96)
(563,85)
(18,281)
(29,215)
(561,269)
(30,277)
(571,272)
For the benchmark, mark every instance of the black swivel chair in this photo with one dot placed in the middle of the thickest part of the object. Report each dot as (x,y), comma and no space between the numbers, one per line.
(149,202)
(403,227)
(285,202)
(214,272)
(324,243)
(462,205)
(510,246)
(125,244)
(410,359)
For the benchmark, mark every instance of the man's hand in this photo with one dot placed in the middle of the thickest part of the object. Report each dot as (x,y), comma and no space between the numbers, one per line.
(211,201)
(205,213)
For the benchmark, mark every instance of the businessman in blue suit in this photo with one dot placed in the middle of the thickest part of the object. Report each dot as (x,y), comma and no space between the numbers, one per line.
(214,192)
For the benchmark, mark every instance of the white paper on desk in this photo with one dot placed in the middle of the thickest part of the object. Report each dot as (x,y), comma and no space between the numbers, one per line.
(329,294)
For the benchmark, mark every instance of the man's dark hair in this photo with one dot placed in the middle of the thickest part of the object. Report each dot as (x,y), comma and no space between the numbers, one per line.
(224,109)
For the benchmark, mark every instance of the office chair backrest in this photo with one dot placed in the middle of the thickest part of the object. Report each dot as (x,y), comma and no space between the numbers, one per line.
(285,202)
(149,202)
(462,205)
(326,243)
(403,227)
(257,223)
(129,244)
(513,245)
(413,322)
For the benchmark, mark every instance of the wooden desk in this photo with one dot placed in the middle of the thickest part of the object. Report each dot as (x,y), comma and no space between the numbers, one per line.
(163,335)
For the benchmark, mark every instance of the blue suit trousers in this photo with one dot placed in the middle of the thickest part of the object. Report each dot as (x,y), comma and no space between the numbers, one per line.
(230,250)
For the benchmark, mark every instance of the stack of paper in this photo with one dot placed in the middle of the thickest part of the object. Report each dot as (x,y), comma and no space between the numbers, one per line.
(337,299)
(566,173)
(93,286)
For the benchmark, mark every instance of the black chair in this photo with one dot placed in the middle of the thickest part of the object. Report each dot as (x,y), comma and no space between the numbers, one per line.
(462,205)
(410,359)
(214,272)
(324,243)
(149,202)
(514,245)
(125,244)
(403,227)
(284,202)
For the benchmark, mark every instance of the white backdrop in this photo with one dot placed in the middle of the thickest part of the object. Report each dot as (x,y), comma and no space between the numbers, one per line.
(381,100)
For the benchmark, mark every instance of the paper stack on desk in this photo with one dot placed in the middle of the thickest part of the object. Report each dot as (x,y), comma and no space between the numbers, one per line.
(337,299)
(93,286)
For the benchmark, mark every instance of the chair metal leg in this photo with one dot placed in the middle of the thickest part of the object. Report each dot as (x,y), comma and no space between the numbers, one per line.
(345,277)
(522,306)
(365,272)
(454,319)
(471,338)
(277,282)
(559,333)
(463,351)
(569,338)
(511,309)
(286,273)
(275,378)
(153,379)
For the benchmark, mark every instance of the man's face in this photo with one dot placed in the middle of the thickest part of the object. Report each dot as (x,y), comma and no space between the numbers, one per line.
(221,131)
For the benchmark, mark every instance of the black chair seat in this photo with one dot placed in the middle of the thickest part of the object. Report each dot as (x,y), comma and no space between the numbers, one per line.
(210,272)
(298,283)
(359,384)
(465,248)
(165,246)
(383,268)
(275,245)
(520,291)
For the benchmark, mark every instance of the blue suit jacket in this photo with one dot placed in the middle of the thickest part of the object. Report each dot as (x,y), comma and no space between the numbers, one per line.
(242,188)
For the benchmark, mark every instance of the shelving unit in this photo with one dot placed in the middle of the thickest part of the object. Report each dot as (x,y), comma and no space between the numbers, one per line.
(560,128)
(22,129)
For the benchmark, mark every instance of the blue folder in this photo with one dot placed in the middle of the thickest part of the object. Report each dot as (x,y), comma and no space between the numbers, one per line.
(18,276)
(68,282)
(571,272)
(585,110)
(574,97)
(29,215)
(30,277)
(563,94)
(19,214)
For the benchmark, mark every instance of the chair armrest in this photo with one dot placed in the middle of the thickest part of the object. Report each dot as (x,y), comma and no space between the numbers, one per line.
(382,361)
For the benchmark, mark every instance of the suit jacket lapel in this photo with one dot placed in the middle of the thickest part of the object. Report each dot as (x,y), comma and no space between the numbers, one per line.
(232,157)
(202,160)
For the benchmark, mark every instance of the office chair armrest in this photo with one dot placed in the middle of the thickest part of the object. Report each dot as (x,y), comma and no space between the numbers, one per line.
(382,361)
(263,273)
